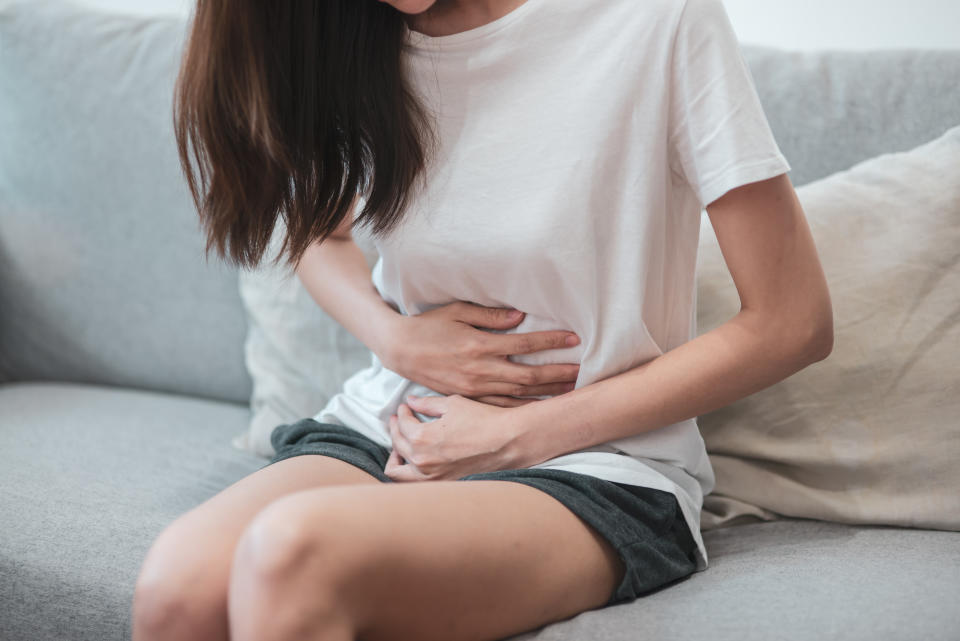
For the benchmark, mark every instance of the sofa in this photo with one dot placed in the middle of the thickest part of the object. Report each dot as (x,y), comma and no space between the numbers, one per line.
(124,379)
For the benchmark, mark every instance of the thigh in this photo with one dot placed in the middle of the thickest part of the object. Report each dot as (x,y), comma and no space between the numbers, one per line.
(307,454)
(447,560)
(197,548)
(233,507)
(182,587)
(645,525)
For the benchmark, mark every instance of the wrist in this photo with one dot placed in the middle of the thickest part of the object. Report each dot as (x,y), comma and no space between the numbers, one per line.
(387,342)
(526,444)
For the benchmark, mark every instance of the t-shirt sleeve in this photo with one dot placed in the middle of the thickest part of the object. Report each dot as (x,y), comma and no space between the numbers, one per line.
(719,135)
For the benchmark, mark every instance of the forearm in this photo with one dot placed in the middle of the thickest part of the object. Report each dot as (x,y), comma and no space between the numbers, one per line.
(336,275)
(744,355)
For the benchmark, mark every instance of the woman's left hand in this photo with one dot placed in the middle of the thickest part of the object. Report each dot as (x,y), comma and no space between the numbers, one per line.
(469,437)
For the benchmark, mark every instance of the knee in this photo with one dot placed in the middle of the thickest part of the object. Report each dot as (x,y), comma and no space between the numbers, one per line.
(281,543)
(170,590)
(292,569)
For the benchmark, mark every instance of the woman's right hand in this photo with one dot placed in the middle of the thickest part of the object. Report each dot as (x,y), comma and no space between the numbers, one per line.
(442,349)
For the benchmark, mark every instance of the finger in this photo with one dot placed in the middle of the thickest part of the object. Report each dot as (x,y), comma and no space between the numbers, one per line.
(401,469)
(405,412)
(408,427)
(517,379)
(394,458)
(504,401)
(527,342)
(495,388)
(394,468)
(428,405)
(392,461)
(490,317)
(400,442)
(503,369)
(397,471)
(549,389)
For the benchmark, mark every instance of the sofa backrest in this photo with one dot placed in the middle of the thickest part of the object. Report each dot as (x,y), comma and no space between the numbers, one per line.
(831,109)
(102,272)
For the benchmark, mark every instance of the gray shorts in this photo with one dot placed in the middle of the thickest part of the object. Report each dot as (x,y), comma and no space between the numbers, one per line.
(644,525)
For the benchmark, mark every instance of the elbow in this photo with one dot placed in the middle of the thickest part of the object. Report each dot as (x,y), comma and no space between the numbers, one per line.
(812,326)
(801,337)
(817,333)
(794,340)
(820,344)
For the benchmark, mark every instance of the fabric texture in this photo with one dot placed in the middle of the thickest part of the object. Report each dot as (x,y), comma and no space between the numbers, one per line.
(645,526)
(297,355)
(831,109)
(90,475)
(103,277)
(593,231)
(869,435)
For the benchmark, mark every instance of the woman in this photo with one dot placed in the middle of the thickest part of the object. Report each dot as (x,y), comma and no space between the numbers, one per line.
(538,155)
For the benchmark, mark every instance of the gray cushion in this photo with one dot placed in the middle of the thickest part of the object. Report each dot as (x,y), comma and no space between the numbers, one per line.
(796,580)
(108,469)
(102,277)
(831,109)
(88,477)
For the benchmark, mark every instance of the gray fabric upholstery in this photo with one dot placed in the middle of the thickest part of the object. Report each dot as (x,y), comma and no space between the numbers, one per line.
(831,109)
(102,278)
(103,287)
(109,468)
(796,580)
(89,476)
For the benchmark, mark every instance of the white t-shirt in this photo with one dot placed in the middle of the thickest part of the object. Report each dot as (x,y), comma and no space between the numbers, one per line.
(580,141)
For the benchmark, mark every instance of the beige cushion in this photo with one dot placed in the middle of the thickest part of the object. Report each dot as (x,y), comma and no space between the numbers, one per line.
(297,355)
(871,435)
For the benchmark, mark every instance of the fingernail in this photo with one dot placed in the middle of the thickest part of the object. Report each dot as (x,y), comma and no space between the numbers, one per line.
(573,339)
(514,313)
(411,398)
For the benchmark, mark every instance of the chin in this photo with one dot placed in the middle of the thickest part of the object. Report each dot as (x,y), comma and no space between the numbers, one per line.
(410,6)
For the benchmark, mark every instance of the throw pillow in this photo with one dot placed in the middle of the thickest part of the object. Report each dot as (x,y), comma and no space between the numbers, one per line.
(297,355)
(870,435)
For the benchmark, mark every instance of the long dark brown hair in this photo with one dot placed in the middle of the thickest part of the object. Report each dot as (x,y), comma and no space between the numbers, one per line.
(290,109)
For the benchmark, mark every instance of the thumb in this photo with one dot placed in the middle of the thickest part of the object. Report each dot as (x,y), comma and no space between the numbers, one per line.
(493,317)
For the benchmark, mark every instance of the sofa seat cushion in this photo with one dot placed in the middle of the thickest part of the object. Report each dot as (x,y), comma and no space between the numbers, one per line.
(795,580)
(89,476)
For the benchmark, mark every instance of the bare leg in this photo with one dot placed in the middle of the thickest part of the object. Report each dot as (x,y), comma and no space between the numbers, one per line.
(181,592)
(431,561)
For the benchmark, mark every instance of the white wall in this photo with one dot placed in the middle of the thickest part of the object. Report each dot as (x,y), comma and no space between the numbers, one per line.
(142,6)
(790,24)
(847,24)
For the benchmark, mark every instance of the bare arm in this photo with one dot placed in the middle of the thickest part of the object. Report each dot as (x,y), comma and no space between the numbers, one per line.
(439,349)
(785,323)
(336,275)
